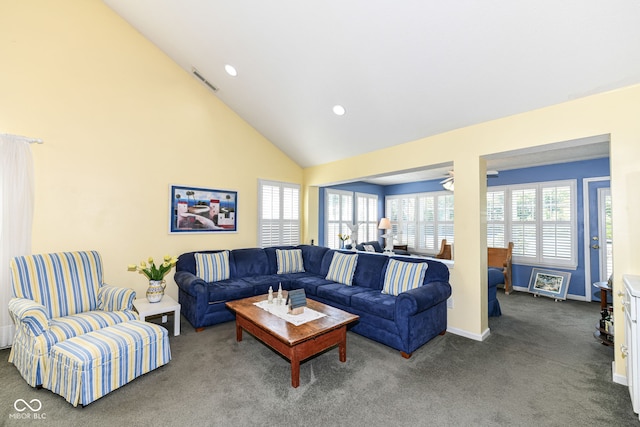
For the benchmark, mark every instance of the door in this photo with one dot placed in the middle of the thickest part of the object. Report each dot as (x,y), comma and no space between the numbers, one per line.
(600,243)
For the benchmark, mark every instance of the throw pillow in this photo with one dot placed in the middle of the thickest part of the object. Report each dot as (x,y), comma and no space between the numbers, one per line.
(342,268)
(403,276)
(369,248)
(212,267)
(289,261)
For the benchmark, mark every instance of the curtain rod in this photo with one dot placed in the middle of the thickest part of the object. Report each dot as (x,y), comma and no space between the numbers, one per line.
(25,138)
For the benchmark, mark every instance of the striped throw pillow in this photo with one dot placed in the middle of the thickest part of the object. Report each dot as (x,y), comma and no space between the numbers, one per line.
(403,276)
(289,261)
(212,267)
(342,268)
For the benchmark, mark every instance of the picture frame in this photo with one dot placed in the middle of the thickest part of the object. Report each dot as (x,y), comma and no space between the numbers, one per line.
(202,210)
(549,283)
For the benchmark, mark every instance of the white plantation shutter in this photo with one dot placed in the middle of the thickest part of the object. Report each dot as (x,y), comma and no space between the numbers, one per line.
(542,221)
(338,213)
(421,220)
(279,207)
(367,216)
(557,235)
(523,223)
(496,219)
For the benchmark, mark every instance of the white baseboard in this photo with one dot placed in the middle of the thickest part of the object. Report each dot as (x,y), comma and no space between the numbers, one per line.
(618,379)
(485,334)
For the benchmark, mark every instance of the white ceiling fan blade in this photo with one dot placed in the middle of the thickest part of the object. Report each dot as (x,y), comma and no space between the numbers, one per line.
(446,180)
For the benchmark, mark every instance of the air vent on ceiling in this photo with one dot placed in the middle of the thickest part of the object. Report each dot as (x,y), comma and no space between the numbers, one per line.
(196,73)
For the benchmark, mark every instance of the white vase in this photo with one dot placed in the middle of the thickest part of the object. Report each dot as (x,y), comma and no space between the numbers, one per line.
(155,291)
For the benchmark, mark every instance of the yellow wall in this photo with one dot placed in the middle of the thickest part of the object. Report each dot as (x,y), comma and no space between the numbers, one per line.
(613,113)
(120,123)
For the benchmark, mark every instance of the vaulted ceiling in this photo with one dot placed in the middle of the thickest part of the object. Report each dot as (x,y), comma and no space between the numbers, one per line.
(402,70)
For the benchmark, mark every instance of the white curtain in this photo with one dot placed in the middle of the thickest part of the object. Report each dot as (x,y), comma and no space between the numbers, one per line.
(16,216)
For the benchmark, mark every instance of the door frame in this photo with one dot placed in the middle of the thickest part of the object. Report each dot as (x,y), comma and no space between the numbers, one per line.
(587,237)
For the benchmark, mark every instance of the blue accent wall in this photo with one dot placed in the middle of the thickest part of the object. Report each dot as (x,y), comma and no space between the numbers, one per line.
(521,273)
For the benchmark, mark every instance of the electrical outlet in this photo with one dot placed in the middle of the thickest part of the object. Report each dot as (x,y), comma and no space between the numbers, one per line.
(164,318)
(450,302)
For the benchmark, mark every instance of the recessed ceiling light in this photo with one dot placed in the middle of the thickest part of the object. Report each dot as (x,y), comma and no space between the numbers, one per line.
(339,110)
(231,70)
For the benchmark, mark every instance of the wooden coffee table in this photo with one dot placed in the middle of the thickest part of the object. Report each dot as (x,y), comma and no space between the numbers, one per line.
(296,343)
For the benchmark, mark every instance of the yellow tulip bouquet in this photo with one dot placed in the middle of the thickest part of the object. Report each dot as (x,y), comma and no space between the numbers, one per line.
(153,272)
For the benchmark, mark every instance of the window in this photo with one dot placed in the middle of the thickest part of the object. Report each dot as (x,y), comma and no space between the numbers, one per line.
(338,213)
(279,207)
(421,221)
(345,208)
(367,217)
(540,220)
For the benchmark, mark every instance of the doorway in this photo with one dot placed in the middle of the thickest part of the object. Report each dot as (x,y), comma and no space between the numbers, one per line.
(598,235)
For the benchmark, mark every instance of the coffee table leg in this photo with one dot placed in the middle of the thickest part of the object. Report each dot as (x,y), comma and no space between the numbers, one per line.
(342,346)
(238,332)
(295,372)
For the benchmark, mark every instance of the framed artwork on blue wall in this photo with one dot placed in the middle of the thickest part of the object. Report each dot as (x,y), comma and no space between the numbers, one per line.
(549,283)
(202,210)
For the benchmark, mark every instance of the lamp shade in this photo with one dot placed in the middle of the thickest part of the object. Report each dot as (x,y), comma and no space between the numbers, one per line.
(385,224)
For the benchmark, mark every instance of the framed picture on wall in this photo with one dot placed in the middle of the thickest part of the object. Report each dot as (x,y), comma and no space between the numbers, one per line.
(549,283)
(202,210)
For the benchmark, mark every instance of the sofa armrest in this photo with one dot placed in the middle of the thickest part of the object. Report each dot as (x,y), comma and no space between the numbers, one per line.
(30,313)
(112,298)
(422,298)
(189,282)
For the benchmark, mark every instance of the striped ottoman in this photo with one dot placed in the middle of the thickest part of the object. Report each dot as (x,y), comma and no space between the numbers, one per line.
(85,368)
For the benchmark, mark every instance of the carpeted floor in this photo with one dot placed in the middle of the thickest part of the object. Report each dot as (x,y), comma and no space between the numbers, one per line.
(540,366)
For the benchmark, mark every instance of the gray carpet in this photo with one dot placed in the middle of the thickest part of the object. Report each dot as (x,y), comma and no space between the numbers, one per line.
(540,366)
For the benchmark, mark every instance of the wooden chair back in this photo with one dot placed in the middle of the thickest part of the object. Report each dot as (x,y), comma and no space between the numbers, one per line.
(501,258)
(445,250)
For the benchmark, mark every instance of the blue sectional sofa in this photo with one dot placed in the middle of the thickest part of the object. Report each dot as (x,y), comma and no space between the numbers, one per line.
(404,322)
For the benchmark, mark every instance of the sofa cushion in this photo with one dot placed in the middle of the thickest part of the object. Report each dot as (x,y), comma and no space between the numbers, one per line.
(66,327)
(250,262)
(403,276)
(310,283)
(228,290)
(342,268)
(376,303)
(289,261)
(338,293)
(212,267)
(370,270)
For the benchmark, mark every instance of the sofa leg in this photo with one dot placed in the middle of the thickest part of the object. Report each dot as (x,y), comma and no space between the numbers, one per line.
(405,355)
(199,329)
(443,332)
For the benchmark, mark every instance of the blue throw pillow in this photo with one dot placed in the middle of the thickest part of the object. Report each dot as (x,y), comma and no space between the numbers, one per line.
(342,268)
(403,276)
(212,267)
(289,261)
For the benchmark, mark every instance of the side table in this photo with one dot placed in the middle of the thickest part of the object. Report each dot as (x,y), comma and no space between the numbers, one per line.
(166,306)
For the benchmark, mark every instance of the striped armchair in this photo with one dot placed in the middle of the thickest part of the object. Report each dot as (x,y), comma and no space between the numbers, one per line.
(59,296)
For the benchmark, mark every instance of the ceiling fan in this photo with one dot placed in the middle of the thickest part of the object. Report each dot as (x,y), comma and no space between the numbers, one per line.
(448,182)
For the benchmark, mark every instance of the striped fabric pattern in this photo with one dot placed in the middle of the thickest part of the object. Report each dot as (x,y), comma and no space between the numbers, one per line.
(342,268)
(212,267)
(65,283)
(112,298)
(403,276)
(289,261)
(30,313)
(87,367)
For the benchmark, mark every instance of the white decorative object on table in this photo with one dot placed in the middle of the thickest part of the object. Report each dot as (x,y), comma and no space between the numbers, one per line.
(270,297)
(385,225)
